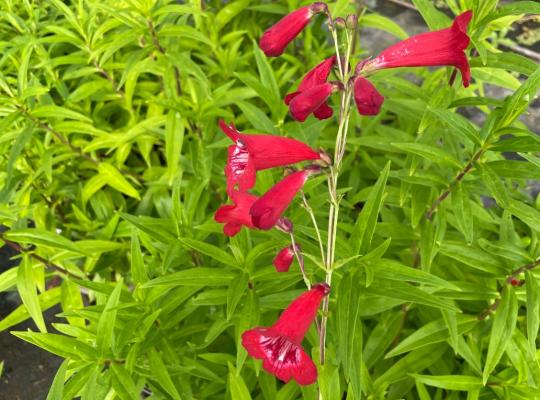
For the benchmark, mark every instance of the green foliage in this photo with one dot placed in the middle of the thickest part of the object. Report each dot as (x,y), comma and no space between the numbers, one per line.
(112,168)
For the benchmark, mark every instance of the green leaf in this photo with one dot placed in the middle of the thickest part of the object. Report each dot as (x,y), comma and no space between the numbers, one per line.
(58,112)
(459,126)
(394,270)
(461,204)
(138,270)
(409,293)
(194,277)
(61,345)
(433,17)
(213,251)
(41,237)
(451,382)
(504,323)
(533,308)
(174,138)
(349,332)
(512,8)
(46,300)
(27,291)
(235,292)
(431,153)
(161,374)
(268,81)
(495,185)
(366,222)
(383,23)
(123,383)
(114,178)
(56,391)
(230,11)
(431,333)
(526,213)
(237,385)
(107,321)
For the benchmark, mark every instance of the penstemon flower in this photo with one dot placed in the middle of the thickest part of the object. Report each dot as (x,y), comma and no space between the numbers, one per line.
(315,77)
(368,100)
(266,211)
(237,215)
(285,257)
(438,48)
(252,153)
(280,345)
(312,100)
(275,39)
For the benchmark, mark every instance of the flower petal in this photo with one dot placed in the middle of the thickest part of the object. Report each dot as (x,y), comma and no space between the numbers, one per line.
(368,99)
(283,260)
(268,208)
(310,100)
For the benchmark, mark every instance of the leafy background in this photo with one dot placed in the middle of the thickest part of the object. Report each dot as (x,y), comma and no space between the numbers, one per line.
(112,167)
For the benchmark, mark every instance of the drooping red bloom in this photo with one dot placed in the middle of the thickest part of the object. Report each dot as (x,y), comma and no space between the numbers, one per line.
(252,153)
(275,39)
(368,99)
(315,77)
(266,211)
(280,346)
(237,215)
(284,258)
(312,100)
(438,48)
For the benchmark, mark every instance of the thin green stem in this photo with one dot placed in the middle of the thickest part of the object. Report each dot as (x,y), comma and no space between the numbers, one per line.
(315,225)
(300,260)
(333,217)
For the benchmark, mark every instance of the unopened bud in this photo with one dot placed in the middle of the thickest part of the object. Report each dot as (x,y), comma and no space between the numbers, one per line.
(284,224)
(340,23)
(351,22)
(319,7)
(325,159)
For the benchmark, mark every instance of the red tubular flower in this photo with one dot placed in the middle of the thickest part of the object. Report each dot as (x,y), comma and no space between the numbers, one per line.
(252,153)
(443,47)
(312,100)
(266,211)
(315,77)
(278,36)
(279,346)
(368,99)
(237,215)
(284,258)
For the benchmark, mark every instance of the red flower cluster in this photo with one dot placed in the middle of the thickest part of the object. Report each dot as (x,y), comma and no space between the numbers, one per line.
(439,48)
(280,345)
(252,153)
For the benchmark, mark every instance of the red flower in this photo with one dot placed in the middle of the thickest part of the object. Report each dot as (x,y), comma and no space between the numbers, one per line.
(276,38)
(266,211)
(443,47)
(312,100)
(280,346)
(284,258)
(252,153)
(368,99)
(237,215)
(315,77)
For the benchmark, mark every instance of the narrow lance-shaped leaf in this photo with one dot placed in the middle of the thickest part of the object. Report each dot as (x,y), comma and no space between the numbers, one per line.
(504,323)
(365,224)
(27,290)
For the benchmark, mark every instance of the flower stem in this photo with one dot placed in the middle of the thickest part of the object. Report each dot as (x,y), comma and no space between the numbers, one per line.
(315,225)
(335,198)
(300,260)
